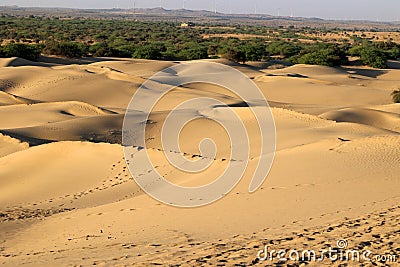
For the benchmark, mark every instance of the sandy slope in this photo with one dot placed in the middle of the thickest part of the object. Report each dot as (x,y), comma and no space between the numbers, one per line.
(63,172)
(67,200)
(44,113)
(10,145)
(72,83)
(375,118)
(8,99)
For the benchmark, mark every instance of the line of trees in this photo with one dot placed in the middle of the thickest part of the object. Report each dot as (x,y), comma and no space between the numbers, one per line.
(235,50)
(166,41)
(30,52)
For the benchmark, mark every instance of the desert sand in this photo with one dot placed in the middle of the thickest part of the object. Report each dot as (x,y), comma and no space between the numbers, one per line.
(67,197)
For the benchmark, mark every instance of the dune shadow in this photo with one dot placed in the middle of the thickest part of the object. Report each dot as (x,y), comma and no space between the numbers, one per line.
(393,64)
(296,75)
(32,141)
(75,61)
(372,73)
(19,62)
(241,104)
(261,65)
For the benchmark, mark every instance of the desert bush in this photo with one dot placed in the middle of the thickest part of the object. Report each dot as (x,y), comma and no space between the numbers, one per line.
(283,49)
(101,50)
(150,51)
(355,50)
(396,96)
(370,55)
(393,53)
(235,55)
(324,56)
(373,57)
(66,49)
(26,51)
(255,51)
(192,51)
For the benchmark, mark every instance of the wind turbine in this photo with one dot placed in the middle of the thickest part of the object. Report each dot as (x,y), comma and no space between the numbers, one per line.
(279,12)
(215,7)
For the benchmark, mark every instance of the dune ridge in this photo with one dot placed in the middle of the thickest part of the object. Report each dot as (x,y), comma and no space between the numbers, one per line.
(376,118)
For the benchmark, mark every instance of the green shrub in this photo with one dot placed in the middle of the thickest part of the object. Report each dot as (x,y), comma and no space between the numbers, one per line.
(254,51)
(171,53)
(356,50)
(235,55)
(373,57)
(283,49)
(331,56)
(192,51)
(66,49)
(29,52)
(101,50)
(147,52)
(370,55)
(393,53)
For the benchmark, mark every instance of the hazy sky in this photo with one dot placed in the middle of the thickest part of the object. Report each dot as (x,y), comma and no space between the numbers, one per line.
(382,10)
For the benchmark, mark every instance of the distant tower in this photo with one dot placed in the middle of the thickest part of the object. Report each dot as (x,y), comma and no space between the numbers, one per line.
(291,13)
(161,5)
(255,8)
(183,4)
(215,7)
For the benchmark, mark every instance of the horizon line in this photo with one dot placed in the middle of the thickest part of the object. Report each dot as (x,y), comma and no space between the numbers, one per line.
(209,11)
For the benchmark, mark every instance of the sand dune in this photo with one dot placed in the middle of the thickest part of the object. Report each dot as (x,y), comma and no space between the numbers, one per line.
(96,129)
(14,116)
(310,71)
(18,62)
(140,67)
(375,118)
(309,91)
(64,164)
(69,197)
(50,85)
(10,145)
(8,99)
(133,221)
(391,108)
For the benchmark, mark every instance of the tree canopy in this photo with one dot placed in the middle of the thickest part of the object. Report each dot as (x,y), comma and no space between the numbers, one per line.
(80,37)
